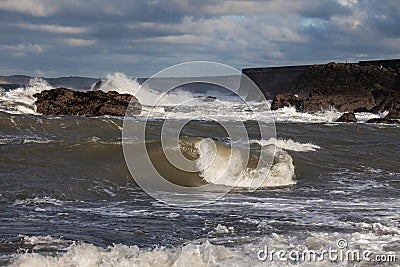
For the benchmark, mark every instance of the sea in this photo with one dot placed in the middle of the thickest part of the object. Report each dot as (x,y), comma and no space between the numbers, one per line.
(327,196)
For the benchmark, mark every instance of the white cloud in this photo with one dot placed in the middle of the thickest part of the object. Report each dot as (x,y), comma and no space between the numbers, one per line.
(53,28)
(276,55)
(222,25)
(38,8)
(24,49)
(180,39)
(348,23)
(253,7)
(77,42)
(349,3)
(231,30)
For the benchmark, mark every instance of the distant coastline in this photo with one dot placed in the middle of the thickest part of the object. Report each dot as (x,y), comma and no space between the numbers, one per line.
(76,82)
(271,80)
(367,86)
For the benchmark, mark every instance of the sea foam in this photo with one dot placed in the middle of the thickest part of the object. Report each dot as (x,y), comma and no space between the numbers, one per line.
(289,144)
(228,167)
(21,100)
(203,253)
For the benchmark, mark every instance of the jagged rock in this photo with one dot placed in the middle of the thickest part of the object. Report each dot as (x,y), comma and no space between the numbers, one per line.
(286,100)
(393,115)
(394,109)
(353,76)
(383,120)
(341,98)
(63,101)
(347,117)
(97,85)
(209,98)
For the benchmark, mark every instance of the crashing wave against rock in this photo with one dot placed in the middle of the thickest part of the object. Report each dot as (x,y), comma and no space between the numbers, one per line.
(346,88)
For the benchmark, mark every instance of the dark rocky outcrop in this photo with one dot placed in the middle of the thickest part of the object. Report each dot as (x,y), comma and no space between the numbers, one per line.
(394,108)
(383,120)
(63,101)
(393,115)
(341,98)
(278,80)
(347,117)
(285,100)
(346,88)
(209,98)
(97,85)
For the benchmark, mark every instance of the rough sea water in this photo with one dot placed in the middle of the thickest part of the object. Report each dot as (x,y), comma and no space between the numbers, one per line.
(68,199)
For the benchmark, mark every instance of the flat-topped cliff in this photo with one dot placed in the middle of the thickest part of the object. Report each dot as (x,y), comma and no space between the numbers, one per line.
(346,87)
(282,80)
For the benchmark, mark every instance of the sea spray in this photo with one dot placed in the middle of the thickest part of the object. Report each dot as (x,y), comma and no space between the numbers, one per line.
(147,96)
(118,82)
(21,100)
(288,144)
(222,165)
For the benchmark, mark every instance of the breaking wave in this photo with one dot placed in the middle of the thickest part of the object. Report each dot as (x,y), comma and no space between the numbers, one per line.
(220,164)
(204,253)
(118,82)
(290,114)
(21,100)
(123,84)
(238,174)
(289,145)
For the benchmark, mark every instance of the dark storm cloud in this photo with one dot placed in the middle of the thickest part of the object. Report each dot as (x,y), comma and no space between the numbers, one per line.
(323,9)
(141,37)
(385,18)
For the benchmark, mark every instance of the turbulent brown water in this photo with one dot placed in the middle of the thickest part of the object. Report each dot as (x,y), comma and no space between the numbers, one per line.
(65,179)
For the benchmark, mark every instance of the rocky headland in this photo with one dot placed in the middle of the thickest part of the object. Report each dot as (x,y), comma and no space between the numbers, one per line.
(346,87)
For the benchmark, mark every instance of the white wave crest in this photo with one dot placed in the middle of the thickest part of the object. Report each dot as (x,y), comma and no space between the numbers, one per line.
(39,201)
(123,84)
(21,100)
(120,83)
(229,168)
(289,145)
(222,229)
(289,114)
(380,229)
(9,139)
(203,253)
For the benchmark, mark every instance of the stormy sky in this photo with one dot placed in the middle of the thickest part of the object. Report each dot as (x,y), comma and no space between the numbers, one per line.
(95,37)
